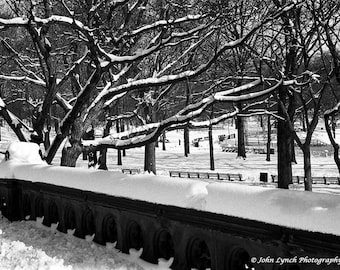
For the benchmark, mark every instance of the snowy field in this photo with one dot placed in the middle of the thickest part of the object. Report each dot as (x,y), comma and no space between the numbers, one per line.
(198,159)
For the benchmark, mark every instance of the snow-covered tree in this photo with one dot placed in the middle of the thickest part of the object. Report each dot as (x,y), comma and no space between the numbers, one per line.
(99,53)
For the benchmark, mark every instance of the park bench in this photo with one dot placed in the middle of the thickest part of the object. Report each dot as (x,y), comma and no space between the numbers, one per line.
(213,176)
(223,137)
(263,151)
(259,151)
(296,179)
(232,149)
(207,175)
(183,174)
(131,171)
(327,180)
(230,176)
(333,180)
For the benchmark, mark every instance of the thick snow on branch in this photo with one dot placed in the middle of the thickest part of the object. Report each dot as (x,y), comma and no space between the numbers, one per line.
(16,121)
(213,121)
(146,133)
(54,19)
(18,21)
(162,23)
(23,78)
(150,132)
(153,46)
(145,83)
(127,58)
(250,95)
(63,102)
(238,89)
(57,19)
(261,112)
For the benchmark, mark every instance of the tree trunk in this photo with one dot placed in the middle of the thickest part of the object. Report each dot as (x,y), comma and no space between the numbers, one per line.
(122,128)
(102,160)
(284,159)
(283,146)
(51,152)
(119,157)
(186,142)
(70,155)
(333,142)
(119,152)
(307,167)
(292,151)
(186,129)
(336,156)
(241,146)
(56,126)
(211,149)
(303,123)
(291,113)
(68,122)
(163,143)
(73,149)
(268,138)
(284,137)
(103,152)
(150,158)
(47,141)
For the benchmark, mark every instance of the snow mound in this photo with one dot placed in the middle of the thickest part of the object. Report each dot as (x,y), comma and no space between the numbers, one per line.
(24,152)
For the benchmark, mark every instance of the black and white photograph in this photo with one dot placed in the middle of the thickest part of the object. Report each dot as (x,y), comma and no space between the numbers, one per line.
(169,135)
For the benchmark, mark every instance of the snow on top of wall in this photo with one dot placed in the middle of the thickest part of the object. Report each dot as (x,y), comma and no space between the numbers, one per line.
(25,164)
(145,187)
(289,208)
(310,211)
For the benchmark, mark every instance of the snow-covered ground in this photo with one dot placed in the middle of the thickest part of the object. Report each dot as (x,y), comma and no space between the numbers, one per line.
(198,159)
(30,245)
